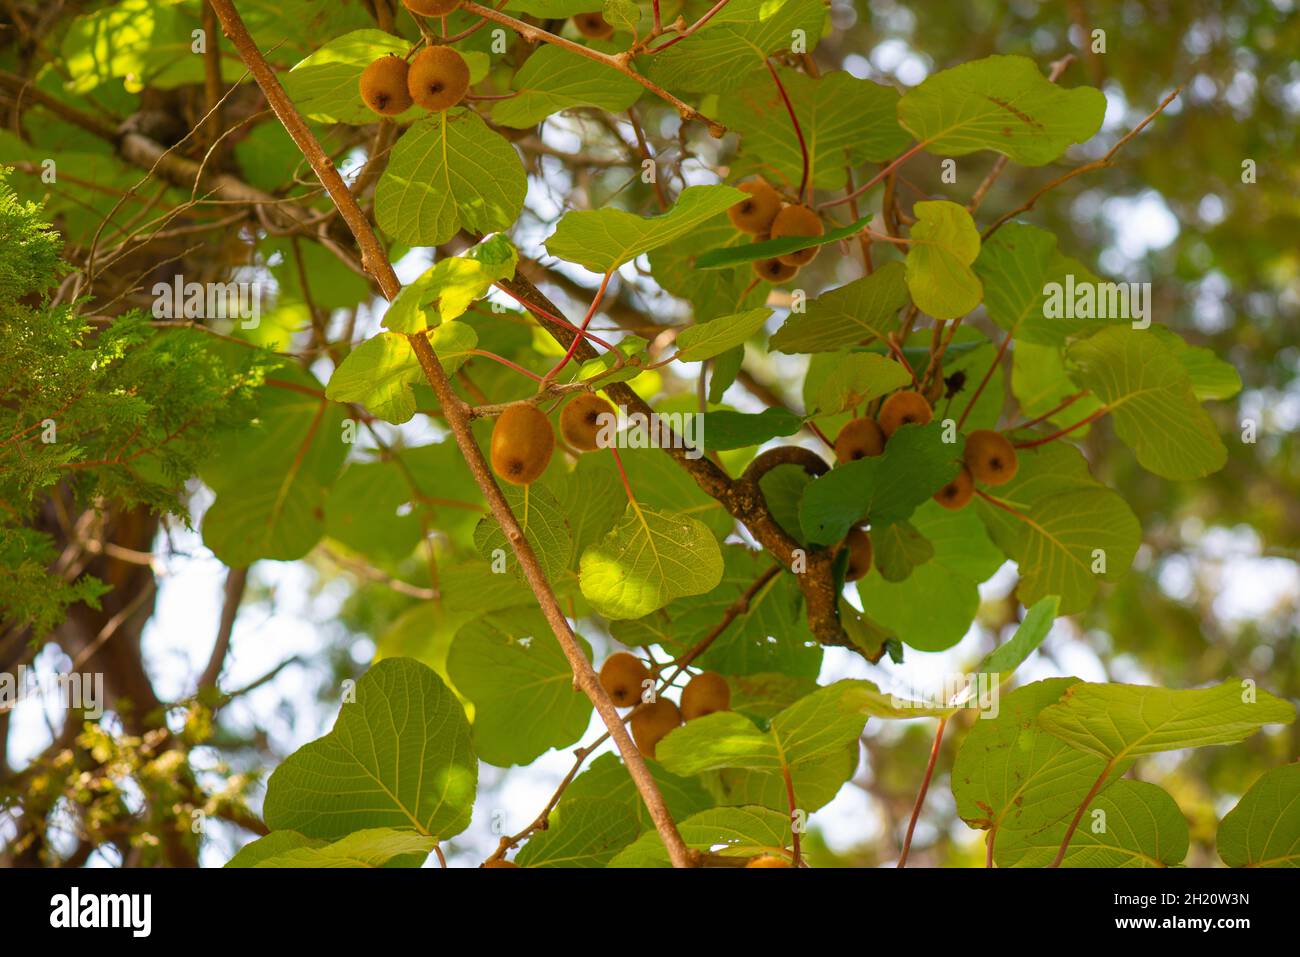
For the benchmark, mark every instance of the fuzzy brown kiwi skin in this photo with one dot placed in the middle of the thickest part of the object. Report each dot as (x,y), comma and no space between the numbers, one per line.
(754,215)
(499,864)
(991,457)
(706,693)
(622,676)
(957,493)
(769,860)
(651,723)
(581,422)
(798,221)
(774,270)
(384,86)
(593,26)
(858,542)
(431,8)
(903,408)
(438,79)
(522,443)
(860,438)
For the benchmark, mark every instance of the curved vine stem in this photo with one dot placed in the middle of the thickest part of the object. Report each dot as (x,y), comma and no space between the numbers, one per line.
(798,130)
(375,259)
(920,795)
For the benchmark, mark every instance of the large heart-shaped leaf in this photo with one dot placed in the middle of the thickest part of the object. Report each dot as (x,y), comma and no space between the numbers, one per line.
(1263,830)
(939,275)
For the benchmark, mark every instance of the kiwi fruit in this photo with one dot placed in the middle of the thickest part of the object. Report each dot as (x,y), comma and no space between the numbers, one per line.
(798,221)
(500,863)
(903,408)
(593,26)
(990,457)
(438,79)
(704,694)
(858,543)
(623,676)
(383,86)
(522,443)
(769,860)
(581,421)
(860,438)
(774,270)
(652,722)
(755,213)
(431,8)
(958,492)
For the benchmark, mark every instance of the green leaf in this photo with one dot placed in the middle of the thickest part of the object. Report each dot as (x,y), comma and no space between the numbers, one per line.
(844,121)
(933,608)
(855,378)
(583,832)
(729,255)
(326,85)
(723,55)
(399,756)
(728,831)
(1129,824)
(770,634)
(1000,103)
(648,559)
(604,239)
(372,847)
(1118,721)
(849,315)
(607,778)
(723,430)
(803,740)
(447,288)
(366,511)
(1149,395)
(590,497)
(1012,778)
(1006,658)
(379,373)
(511,666)
(272,517)
(884,488)
(1062,526)
(622,15)
(704,340)
(1263,830)
(1211,377)
(1040,383)
(449,172)
(899,548)
(944,244)
(271,845)
(544,525)
(554,79)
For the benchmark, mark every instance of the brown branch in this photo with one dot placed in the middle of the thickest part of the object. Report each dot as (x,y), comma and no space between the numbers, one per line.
(375,260)
(236,581)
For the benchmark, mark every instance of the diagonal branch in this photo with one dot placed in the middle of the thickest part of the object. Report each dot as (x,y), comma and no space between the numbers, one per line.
(375,260)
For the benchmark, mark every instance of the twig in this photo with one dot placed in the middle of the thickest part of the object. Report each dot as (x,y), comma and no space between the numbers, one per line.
(920,796)
(794,120)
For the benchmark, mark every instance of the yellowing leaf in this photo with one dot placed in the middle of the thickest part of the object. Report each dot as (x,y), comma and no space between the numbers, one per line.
(944,244)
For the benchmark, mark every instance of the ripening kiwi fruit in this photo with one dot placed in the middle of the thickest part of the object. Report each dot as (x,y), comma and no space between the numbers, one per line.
(990,457)
(383,85)
(755,213)
(858,543)
(593,26)
(431,8)
(438,79)
(958,492)
(859,439)
(798,221)
(622,676)
(769,860)
(501,863)
(581,421)
(904,408)
(652,722)
(522,443)
(704,694)
(774,270)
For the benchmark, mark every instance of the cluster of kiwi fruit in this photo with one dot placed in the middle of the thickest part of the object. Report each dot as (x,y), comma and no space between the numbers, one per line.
(764,215)
(523,441)
(436,78)
(990,459)
(624,676)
